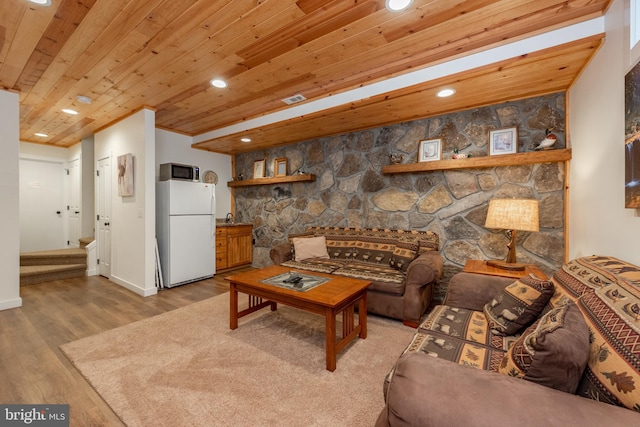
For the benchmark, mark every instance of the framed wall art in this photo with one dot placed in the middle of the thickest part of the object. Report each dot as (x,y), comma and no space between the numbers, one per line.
(429,150)
(503,141)
(125,175)
(280,167)
(258,169)
(632,139)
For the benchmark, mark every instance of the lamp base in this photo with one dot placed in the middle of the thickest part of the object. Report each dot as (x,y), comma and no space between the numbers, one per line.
(513,266)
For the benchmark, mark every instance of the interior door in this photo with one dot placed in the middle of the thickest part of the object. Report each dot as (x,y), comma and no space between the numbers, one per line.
(73,208)
(103,216)
(41,205)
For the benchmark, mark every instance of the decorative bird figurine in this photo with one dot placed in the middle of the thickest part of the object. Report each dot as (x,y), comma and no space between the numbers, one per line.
(549,140)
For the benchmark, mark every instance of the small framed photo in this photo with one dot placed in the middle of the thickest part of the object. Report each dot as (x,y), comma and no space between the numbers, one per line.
(430,150)
(503,141)
(258,169)
(280,167)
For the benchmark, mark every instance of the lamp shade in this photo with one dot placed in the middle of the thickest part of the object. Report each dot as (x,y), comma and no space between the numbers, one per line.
(513,214)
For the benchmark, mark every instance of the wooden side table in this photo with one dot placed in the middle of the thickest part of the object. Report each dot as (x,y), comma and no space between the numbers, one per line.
(480,267)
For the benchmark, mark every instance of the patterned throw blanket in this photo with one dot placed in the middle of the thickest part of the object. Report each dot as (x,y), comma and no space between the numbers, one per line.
(596,303)
(378,255)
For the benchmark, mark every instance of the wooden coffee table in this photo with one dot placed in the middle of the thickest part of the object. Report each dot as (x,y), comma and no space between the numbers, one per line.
(338,295)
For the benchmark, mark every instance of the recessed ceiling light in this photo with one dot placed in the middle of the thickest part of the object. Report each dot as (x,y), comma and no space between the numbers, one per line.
(41,2)
(84,99)
(446,92)
(397,5)
(245,139)
(43,135)
(69,111)
(218,83)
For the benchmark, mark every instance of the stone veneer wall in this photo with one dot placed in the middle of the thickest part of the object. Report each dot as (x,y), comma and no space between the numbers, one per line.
(351,191)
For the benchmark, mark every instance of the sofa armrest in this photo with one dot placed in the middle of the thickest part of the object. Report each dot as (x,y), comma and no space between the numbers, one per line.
(472,291)
(281,253)
(422,272)
(426,268)
(426,391)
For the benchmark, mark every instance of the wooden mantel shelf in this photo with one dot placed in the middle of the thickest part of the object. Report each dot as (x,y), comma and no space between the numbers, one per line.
(272,180)
(549,156)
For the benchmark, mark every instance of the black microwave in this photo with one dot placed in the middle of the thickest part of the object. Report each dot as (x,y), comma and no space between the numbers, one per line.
(178,171)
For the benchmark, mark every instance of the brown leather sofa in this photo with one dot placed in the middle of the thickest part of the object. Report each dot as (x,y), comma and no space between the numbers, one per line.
(403,266)
(576,364)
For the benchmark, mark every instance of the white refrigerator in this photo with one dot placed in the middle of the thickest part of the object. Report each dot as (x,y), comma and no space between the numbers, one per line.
(186,230)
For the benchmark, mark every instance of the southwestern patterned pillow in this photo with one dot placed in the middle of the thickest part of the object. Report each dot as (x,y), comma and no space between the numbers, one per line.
(553,351)
(518,305)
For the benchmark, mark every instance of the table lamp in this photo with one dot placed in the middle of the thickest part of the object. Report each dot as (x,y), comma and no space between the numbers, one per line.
(512,215)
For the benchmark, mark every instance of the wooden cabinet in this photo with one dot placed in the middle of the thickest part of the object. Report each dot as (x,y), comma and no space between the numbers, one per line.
(234,246)
(239,245)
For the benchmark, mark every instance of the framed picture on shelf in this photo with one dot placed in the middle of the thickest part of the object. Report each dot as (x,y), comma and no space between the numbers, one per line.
(503,141)
(258,169)
(280,167)
(430,150)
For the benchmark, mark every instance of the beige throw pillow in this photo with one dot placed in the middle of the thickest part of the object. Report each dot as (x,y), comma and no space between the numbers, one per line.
(310,247)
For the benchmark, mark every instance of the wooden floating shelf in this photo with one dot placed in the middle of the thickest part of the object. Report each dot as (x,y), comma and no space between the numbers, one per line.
(548,156)
(273,180)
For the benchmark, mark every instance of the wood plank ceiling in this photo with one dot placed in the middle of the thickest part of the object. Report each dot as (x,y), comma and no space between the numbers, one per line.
(161,54)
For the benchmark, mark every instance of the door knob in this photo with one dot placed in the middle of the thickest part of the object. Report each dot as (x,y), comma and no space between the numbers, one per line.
(58,212)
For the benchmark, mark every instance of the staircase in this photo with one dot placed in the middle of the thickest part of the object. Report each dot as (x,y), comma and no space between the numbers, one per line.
(45,266)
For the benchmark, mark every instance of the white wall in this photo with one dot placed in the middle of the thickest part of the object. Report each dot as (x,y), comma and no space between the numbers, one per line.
(82,152)
(132,218)
(598,221)
(172,147)
(9,190)
(44,151)
(87,228)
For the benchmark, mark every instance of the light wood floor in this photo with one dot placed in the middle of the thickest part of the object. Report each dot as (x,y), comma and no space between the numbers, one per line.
(33,370)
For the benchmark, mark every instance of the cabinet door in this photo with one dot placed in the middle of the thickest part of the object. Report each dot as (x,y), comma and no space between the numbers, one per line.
(239,246)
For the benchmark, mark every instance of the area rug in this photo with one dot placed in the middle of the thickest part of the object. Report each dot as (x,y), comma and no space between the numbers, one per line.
(186,367)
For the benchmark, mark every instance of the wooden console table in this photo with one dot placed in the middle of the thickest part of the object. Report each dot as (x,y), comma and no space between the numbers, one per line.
(480,267)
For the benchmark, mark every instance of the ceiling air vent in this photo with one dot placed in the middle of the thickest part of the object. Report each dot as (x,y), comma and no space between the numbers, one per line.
(293,99)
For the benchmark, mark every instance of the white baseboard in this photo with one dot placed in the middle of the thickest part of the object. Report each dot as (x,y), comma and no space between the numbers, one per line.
(133,287)
(12,303)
